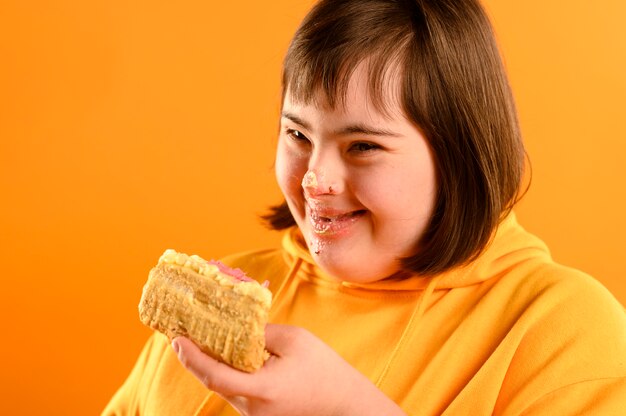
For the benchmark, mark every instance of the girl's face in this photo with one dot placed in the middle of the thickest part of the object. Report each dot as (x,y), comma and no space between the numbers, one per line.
(361,185)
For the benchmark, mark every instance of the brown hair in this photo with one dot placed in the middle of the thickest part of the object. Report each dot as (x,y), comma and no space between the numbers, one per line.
(452,85)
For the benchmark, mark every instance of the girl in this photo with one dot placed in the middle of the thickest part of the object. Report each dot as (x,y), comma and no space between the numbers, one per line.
(404,284)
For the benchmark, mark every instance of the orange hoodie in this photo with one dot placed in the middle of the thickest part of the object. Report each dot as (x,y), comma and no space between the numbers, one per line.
(512,333)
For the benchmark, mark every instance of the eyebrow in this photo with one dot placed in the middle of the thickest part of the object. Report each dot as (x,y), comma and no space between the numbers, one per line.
(356,128)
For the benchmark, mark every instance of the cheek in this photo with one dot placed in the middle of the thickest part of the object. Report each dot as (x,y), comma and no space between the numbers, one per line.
(290,169)
(399,194)
(378,188)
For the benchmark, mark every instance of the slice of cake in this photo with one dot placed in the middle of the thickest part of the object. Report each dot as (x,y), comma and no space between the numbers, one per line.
(220,309)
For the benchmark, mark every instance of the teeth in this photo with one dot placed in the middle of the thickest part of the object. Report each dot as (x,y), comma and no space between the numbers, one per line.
(323,222)
(335,218)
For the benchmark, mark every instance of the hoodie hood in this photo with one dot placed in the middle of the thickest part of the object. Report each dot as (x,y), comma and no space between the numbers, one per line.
(510,245)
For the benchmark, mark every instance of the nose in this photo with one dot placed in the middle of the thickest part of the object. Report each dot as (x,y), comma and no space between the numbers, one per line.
(317,182)
(326,174)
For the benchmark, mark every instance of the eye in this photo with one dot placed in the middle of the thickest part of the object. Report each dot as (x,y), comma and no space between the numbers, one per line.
(296,136)
(363,147)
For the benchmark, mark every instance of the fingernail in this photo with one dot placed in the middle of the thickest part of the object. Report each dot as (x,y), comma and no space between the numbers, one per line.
(175,346)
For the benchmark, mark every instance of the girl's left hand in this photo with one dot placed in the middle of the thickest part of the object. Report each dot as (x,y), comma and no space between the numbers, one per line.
(302,377)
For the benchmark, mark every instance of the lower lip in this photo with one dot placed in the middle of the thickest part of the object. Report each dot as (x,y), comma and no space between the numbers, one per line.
(338,226)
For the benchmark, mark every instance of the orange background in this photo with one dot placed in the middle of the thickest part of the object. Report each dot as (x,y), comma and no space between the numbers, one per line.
(130,127)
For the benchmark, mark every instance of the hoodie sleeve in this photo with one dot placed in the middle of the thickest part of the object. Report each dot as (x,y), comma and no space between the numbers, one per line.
(572,360)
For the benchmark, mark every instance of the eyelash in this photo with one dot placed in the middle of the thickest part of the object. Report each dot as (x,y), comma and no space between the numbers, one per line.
(295,135)
(370,147)
(357,147)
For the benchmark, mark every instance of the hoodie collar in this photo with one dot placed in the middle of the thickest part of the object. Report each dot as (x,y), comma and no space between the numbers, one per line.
(510,245)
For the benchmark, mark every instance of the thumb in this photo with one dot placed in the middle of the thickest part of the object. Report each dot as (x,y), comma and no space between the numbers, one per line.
(280,339)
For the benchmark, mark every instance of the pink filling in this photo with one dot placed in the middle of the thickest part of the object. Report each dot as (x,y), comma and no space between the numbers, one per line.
(237,274)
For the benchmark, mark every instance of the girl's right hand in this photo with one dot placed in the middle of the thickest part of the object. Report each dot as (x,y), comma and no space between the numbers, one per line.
(303,376)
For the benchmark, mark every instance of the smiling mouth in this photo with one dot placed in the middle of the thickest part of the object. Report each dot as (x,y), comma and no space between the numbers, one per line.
(333,224)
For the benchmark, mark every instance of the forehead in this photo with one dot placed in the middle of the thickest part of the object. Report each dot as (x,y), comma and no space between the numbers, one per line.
(364,90)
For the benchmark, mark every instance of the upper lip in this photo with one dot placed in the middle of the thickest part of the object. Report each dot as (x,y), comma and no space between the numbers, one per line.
(318,209)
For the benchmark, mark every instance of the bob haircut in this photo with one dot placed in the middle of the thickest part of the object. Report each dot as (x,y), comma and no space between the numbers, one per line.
(453,86)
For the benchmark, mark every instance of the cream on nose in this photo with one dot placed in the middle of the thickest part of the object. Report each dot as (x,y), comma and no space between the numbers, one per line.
(310,180)
(317,184)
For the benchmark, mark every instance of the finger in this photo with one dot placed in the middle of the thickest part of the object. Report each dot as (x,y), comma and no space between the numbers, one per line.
(215,375)
(281,339)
